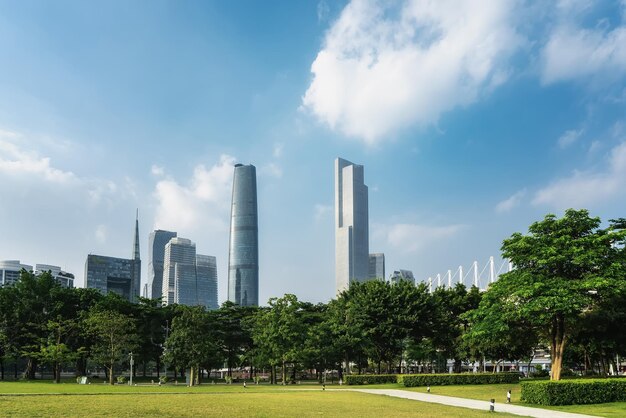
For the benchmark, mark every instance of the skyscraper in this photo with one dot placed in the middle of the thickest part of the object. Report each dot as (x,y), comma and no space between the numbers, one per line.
(156,252)
(243,254)
(399,275)
(206,273)
(179,273)
(118,275)
(377,266)
(351,225)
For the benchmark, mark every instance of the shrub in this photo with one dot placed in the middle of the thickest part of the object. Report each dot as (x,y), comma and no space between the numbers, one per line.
(370,379)
(121,380)
(574,392)
(413,380)
(163,380)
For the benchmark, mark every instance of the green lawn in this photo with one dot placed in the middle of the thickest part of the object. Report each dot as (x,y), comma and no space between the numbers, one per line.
(210,400)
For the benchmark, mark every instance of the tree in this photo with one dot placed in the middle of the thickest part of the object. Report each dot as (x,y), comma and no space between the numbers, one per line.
(192,342)
(114,337)
(235,334)
(563,269)
(54,349)
(279,333)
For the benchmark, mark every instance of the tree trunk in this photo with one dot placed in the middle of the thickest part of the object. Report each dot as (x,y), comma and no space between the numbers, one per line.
(57,372)
(284,374)
(191,375)
(110,368)
(558,346)
(31,369)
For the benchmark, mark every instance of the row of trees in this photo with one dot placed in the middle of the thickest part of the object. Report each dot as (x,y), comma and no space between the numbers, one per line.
(567,293)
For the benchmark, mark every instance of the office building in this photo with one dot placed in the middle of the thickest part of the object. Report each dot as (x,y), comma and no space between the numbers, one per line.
(117,275)
(10,271)
(156,253)
(243,254)
(377,266)
(206,270)
(64,278)
(351,225)
(399,275)
(188,278)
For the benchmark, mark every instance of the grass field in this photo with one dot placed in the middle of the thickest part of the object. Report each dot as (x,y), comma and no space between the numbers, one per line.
(209,400)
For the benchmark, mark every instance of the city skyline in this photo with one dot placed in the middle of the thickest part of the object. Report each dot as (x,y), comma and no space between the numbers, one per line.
(472,123)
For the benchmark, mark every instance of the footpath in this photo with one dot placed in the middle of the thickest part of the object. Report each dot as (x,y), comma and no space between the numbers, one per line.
(473,404)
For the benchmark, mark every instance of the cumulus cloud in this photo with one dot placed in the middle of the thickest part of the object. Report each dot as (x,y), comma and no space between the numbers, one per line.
(410,238)
(16,161)
(202,202)
(101,234)
(574,52)
(157,170)
(384,67)
(569,137)
(587,187)
(512,202)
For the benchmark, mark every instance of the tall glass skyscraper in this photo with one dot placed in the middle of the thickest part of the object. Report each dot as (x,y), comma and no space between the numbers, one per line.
(206,273)
(179,273)
(156,251)
(243,254)
(351,225)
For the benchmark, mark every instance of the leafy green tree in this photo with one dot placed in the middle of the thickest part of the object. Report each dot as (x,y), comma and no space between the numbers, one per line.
(564,268)
(114,336)
(279,332)
(234,326)
(55,350)
(192,342)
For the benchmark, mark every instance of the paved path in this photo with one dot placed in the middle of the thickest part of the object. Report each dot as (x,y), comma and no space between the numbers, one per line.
(473,404)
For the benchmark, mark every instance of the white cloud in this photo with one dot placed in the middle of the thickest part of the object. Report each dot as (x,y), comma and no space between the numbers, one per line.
(101,234)
(573,52)
(322,212)
(203,203)
(157,171)
(278,149)
(411,238)
(18,162)
(587,187)
(271,170)
(511,203)
(569,137)
(384,67)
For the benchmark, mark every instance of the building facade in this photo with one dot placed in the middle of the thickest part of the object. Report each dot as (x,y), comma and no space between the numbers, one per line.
(399,275)
(377,266)
(117,275)
(64,278)
(179,273)
(206,270)
(243,254)
(10,271)
(351,225)
(156,253)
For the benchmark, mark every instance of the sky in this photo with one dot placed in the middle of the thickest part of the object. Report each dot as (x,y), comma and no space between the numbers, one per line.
(473,119)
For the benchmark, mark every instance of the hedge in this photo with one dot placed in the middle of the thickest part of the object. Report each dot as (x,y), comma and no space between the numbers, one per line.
(413,380)
(370,379)
(574,392)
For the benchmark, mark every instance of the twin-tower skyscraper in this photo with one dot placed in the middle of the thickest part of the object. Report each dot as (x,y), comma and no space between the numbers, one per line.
(243,250)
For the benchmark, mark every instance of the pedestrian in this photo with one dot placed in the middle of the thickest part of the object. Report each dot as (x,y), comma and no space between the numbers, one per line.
(508,396)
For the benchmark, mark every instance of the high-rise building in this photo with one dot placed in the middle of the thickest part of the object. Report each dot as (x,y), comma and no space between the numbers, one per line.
(399,275)
(206,270)
(118,275)
(179,273)
(243,254)
(377,266)
(156,253)
(64,278)
(351,225)
(188,278)
(10,271)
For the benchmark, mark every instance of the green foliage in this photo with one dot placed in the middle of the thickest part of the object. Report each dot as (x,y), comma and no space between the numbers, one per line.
(574,392)
(163,379)
(121,380)
(370,379)
(414,380)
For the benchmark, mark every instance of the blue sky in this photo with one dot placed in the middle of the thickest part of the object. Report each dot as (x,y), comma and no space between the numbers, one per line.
(472,119)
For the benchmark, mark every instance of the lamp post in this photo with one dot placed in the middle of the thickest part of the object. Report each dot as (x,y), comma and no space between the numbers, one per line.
(131,368)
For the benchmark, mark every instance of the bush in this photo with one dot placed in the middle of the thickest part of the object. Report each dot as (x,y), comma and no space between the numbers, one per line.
(540,373)
(163,380)
(370,379)
(413,380)
(121,380)
(574,392)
